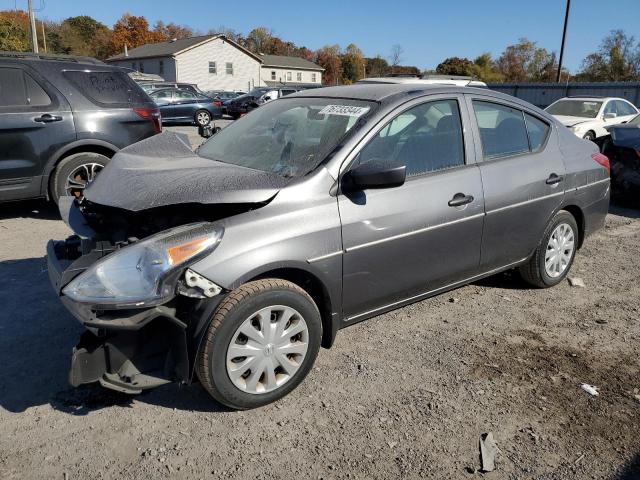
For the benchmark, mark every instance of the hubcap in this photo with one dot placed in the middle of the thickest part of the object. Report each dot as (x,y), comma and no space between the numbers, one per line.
(559,250)
(79,178)
(267,349)
(203,118)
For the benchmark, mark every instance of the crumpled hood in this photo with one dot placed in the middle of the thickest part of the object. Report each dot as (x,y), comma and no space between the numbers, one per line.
(163,170)
(569,121)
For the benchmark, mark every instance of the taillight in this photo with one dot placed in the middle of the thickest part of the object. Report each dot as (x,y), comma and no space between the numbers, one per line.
(151,114)
(217,103)
(602,160)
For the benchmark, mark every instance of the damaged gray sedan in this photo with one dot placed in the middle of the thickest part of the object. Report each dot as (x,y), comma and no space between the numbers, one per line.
(234,264)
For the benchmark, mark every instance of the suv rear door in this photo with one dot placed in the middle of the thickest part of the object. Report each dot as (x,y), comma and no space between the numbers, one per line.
(404,241)
(522,177)
(35,121)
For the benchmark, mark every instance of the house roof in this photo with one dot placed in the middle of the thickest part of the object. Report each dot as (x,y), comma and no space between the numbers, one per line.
(174,47)
(289,62)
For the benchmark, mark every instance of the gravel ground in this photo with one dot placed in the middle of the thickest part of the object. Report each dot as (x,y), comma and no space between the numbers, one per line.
(405,394)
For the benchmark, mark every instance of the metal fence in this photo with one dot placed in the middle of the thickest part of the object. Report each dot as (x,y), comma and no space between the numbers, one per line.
(544,94)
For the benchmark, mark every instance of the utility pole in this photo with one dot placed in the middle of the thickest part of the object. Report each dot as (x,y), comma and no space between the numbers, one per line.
(564,36)
(32,21)
(44,38)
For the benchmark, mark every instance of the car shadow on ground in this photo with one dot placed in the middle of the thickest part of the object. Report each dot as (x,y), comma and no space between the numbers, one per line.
(623,211)
(36,209)
(37,335)
(631,471)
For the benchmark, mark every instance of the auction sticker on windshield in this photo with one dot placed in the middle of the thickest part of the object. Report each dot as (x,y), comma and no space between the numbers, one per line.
(345,110)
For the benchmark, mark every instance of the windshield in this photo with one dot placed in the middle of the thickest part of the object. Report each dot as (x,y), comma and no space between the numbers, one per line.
(289,137)
(575,108)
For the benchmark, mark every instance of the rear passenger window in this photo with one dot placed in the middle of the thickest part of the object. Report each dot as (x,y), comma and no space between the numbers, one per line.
(18,89)
(425,138)
(502,129)
(538,131)
(107,88)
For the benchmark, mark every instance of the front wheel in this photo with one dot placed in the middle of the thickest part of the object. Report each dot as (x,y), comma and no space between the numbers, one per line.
(554,255)
(591,136)
(261,343)
(202,118)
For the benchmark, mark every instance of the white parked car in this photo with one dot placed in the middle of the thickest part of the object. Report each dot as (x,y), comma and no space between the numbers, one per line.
(587,117)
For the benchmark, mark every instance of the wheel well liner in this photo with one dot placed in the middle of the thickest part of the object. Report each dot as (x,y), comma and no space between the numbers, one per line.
(579,216)
(318,292)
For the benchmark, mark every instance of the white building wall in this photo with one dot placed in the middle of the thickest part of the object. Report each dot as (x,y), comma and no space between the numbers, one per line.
(281,75)
(193,67)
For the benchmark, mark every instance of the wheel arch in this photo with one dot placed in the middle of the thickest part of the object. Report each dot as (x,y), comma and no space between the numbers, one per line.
(89,146)
(578,214)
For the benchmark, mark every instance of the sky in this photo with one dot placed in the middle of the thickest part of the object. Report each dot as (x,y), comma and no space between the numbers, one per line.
(428,30)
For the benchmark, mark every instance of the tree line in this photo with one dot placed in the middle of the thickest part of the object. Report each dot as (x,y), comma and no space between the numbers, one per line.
(617,58)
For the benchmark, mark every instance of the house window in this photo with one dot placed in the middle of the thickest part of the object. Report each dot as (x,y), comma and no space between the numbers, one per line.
(141,67)
(299,76)
(313,77)
(273,74)
(161,67)
(229,68)
(213,69)
(288,76)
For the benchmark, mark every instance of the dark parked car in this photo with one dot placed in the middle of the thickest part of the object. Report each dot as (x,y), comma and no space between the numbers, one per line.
(151,86)
(61,119)
(312,213)
(177,105)
(243,104)
(623,149)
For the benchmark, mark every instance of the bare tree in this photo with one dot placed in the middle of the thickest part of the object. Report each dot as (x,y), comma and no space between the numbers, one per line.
(396,56)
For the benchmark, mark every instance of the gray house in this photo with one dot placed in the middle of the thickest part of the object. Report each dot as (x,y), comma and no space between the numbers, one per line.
(213,62)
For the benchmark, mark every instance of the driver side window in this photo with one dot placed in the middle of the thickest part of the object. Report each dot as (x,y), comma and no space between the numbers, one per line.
(425,138)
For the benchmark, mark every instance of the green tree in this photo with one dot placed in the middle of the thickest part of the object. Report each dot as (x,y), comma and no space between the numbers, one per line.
(617,59)
(524,61)
(377,67)
(352,64)
(456,66)
(82,35)
(14,31)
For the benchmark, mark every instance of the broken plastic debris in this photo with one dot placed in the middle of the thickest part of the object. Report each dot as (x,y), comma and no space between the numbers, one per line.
(576,282)
(488,450)
(590,389)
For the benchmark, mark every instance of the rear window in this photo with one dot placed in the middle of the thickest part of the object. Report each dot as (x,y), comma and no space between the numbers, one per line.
(110,88)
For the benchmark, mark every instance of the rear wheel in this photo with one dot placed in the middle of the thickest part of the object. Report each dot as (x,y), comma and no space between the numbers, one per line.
(74,173)
(554,256)
(590,135)
(202,118)
(261,343)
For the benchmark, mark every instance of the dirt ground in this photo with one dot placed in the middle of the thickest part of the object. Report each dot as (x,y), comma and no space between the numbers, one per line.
(406,394)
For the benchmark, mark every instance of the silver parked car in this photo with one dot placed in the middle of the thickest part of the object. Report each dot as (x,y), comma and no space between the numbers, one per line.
(316,211)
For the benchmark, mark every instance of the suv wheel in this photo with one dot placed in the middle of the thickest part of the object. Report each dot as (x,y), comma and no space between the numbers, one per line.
(554,256)
(74,173)
(590,135)
(202,118)
(261,343)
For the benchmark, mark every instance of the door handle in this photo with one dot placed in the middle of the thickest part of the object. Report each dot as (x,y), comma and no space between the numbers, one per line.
(460,199)
(48,118)
(553,179)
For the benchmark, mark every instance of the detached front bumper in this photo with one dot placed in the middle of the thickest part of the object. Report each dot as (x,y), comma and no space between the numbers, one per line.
(125,350)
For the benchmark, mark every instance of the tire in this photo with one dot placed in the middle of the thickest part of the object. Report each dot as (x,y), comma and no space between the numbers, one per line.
(202,118)
(215,360)
(590,135)
(77,171)
(535,271)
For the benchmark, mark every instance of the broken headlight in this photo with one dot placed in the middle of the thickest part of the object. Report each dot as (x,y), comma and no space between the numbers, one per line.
(140,274)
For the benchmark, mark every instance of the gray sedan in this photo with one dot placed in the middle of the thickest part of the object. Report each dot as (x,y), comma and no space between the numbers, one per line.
(235,264)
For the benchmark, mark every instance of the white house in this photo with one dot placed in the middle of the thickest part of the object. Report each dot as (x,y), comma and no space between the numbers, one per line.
(278,70)
(213,62)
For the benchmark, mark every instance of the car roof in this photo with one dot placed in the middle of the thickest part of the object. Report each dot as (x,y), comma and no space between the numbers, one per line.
(591,97)
(439,80)
(379,92)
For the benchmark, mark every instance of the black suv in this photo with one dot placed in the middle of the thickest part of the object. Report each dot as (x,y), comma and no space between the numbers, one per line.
(61,119)
(238,106)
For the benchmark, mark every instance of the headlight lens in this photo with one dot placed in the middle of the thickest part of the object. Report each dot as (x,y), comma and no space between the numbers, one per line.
(136,275)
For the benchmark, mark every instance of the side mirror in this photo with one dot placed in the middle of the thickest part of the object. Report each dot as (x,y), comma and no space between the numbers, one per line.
(206,131)
(609,116)
(266,99)
(375,174)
